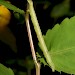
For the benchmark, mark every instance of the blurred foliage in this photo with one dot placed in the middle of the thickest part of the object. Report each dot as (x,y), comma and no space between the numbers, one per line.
(22,73)
(8,38)
(50,11)
(61,9)
(5,71)
(27,63)
(19,17)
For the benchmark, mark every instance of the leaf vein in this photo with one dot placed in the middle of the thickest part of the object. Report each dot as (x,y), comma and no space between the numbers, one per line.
(61,51)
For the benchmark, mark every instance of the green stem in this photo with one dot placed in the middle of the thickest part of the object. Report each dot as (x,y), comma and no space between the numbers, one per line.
(39,34)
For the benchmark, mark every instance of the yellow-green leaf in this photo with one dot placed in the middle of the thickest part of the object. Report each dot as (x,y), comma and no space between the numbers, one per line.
(5,71)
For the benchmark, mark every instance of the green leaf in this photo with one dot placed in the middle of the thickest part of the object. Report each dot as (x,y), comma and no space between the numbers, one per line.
(50,34)
(41,59)
(11,7)
(61,9)
(19,17)
(61,45)
(5,71)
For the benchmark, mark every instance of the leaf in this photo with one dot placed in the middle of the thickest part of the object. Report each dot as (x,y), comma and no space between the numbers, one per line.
(61,9)
(11,7)
(19,17)
(41,59)
(61,45)
(50,34)
(5,71)
(8,38)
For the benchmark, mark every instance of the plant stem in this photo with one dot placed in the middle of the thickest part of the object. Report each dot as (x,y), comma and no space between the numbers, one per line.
(37,65)
(39,35)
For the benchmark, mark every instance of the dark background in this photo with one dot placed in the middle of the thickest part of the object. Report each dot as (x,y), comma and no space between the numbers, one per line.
(20,33)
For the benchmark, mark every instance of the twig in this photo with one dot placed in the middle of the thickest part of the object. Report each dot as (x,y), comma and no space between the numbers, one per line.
(37,65)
